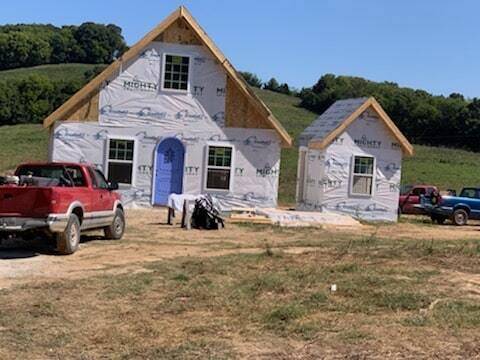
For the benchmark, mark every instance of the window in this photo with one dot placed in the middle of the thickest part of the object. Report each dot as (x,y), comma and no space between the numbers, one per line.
(418,191)
(76,175)
(98,179)
(56,175)
(469,193)
(362,176)
(176,72)
(219,167)
(120,161)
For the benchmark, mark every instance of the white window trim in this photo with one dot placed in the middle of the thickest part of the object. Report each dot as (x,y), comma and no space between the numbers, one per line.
(206,167)
(352,174)
(133,162)
(190,73)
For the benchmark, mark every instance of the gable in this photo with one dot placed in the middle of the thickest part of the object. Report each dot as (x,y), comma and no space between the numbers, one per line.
(341,124)
(369,133)
(179,33)
(242,106)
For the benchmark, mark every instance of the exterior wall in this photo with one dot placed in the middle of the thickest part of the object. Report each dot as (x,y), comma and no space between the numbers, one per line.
(134,106)
(255,168)
(136,96)
(328,183)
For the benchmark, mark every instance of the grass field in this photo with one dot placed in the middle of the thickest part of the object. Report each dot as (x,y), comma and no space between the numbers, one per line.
(446,168)
(19,143)
(252,291)
(54,72)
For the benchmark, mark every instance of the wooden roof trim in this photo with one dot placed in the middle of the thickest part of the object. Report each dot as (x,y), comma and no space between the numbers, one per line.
(404,143)
(370,102)
(95,84)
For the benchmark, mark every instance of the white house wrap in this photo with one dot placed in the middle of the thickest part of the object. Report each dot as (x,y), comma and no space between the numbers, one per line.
(162,125)
(350,162)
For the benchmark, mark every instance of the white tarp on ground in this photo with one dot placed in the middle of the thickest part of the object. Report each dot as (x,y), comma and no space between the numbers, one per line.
(289,218)
(328,172)
(134,106)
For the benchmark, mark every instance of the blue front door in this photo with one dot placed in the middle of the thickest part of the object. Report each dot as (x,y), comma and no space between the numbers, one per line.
(168,170)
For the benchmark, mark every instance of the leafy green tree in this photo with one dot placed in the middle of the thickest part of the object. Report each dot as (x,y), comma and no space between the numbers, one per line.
(35,101)
(272,85)
(99,44)
(30,45)
(251,79)
(284,89)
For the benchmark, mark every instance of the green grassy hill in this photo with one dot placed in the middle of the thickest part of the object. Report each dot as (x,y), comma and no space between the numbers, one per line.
(19,143)
(446,168)
(54,72)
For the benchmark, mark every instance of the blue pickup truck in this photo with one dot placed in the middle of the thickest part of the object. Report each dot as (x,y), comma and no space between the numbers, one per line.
(457,208)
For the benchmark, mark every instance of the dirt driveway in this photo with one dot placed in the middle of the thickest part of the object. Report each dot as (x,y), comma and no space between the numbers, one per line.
(149,238)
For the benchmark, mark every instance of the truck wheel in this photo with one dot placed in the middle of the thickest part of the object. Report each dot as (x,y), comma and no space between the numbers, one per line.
(68,241)
(460,217)
(116,229)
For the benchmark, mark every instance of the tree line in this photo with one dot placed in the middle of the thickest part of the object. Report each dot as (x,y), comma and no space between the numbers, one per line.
(272,84)
(30,45)
(449,121)
(31,99)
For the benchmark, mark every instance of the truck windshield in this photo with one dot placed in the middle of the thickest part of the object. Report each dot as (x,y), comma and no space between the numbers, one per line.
(44,176)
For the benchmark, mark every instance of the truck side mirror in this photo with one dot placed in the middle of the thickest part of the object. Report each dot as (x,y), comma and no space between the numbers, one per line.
(112,185)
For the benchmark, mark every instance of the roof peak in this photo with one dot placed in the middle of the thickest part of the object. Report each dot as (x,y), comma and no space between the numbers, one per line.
(87,92)
(340,115)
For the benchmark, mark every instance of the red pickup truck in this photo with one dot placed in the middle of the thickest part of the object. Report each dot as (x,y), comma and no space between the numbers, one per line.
(59,199)
(411,197)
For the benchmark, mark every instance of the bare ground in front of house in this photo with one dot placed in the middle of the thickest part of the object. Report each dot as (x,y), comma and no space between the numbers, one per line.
(250,291)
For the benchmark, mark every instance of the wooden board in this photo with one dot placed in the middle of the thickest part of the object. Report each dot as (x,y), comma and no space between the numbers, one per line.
(240,218)
(239,112)
(86,111)
(179,33)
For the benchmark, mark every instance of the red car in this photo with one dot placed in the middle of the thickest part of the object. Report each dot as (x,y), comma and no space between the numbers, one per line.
(411,197)
(59,199)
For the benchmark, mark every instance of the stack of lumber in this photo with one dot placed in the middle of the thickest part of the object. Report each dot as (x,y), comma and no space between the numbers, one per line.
(247,215)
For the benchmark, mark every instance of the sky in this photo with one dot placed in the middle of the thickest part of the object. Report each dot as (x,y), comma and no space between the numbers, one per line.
(426,44)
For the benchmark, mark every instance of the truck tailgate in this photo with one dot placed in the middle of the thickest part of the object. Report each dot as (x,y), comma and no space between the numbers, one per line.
(25,201)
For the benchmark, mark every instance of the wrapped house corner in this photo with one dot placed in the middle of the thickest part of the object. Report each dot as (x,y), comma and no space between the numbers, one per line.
(172,115)
(350,161)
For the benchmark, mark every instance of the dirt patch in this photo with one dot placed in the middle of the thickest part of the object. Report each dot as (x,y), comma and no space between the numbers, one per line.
(466,283)
(149,239)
